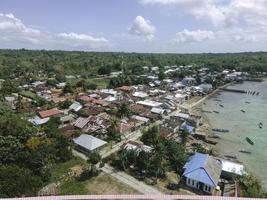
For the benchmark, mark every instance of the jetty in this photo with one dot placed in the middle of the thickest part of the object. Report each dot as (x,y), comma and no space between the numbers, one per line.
(240,91)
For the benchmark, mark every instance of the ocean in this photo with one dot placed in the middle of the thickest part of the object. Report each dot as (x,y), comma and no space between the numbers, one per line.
(242,125)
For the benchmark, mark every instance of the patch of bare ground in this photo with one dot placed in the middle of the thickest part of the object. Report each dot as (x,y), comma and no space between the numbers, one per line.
(105,184)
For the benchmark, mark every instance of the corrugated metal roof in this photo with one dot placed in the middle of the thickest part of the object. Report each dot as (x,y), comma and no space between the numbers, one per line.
(89,142)
(81,122)
(203,168)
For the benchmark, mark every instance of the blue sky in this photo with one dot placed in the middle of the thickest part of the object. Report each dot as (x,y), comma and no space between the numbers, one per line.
(175,26)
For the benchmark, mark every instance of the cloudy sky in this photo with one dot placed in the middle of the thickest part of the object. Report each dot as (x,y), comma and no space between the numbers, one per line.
(175,26)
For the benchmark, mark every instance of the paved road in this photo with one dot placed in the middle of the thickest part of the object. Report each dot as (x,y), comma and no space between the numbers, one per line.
(129,180)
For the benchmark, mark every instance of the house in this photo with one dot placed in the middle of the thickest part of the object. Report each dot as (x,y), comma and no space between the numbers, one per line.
(137,146)
(60,85)
(126,89)
(158,111)
(81,122)
(230,168)
(182,116)
(54,112)
(67,119)
(187,128)
(149,103)
(206,88)
(203,172)
(88,143)
(189,81)
(39,121)
(140,94)
(75,106)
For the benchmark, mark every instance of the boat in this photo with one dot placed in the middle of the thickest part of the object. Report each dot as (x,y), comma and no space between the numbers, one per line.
(211,142)
(243,151)
(220,130)
(204,103)
(260,125)
(216,112)
(249,141)
(222,105)
(247,102)
(242,111)
(232,157)
(219,100)
(206,111)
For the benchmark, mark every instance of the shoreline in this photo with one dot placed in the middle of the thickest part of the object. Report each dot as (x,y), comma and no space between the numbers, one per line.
(219,147)
(195,108)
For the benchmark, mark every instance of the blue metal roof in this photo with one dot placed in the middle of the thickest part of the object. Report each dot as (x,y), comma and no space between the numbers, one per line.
(198,168)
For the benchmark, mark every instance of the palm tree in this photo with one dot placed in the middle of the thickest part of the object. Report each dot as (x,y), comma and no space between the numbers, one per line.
(113,132)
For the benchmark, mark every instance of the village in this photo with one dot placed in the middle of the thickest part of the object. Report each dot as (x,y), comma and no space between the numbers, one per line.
(113,120)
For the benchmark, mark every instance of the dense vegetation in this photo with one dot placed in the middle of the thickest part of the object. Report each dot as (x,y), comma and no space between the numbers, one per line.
(166,155)
(27,157)
(21,62)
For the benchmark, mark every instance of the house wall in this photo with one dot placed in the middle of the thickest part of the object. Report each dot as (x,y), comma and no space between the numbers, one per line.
(196,184)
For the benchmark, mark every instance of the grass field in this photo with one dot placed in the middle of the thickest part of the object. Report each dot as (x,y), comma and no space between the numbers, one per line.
(102,184)
(28,94)
(62,168)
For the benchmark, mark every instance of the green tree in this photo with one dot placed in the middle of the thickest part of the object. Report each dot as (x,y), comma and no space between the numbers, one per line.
(68,88)
(10,149)
(94,158)
(151,136)
(124,111)
(17,181)
(113,130)
(161,74)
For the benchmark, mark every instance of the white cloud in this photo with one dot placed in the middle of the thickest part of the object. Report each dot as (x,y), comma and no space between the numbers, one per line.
(142,28)
(82,40)
(187,36)
(14,33)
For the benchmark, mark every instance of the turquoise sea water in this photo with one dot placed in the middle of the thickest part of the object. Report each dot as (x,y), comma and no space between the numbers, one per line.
(242,125)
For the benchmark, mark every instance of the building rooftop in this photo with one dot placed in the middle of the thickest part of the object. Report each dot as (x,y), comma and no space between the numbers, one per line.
(89,142)
(49,113)
(203,168)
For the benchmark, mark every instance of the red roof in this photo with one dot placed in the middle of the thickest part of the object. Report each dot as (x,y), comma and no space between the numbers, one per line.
(99,102)
(49,113)
(126,88)
(86,98)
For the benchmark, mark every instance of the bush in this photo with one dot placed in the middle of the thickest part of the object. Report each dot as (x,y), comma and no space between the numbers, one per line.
(94,158)
(88,173)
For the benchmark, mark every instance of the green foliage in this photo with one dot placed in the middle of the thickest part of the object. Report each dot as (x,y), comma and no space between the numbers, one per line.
(9,87)
(123,111)
(17,181)
(113,133)
(68,88)
(13,125)
(161,74)
(251,187)
(151,136)
(165,155)
(10,149)
(94,158)
(184,136)
(88,173)
(104,70)
(65,104)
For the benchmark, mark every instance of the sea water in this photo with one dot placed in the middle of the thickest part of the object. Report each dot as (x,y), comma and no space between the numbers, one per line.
(242,125)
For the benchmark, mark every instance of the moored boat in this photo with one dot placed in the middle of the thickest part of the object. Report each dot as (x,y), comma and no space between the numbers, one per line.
(249,141)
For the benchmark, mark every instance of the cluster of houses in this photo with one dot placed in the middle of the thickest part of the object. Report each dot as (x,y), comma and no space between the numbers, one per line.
(91,113)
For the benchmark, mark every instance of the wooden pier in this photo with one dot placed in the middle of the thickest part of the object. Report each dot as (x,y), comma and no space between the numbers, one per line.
(240,91)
